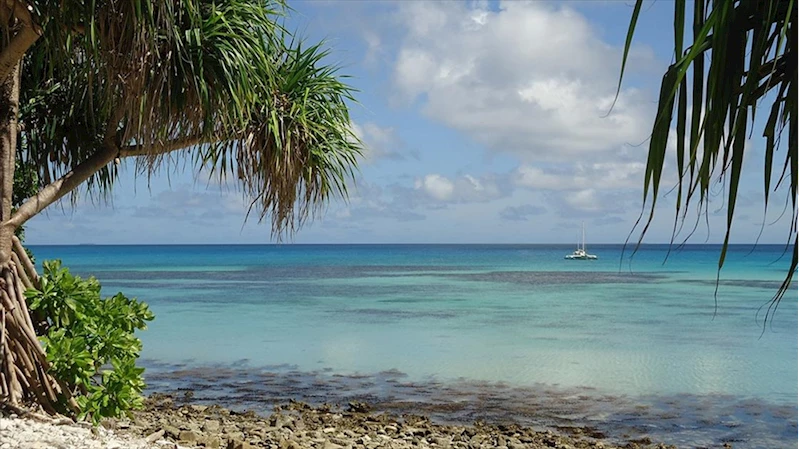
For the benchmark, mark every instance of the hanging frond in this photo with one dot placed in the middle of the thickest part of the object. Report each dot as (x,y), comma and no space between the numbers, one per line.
(742,58)
(220,77)
(298,148)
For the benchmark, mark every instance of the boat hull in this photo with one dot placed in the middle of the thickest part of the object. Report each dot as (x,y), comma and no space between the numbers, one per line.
(584,257)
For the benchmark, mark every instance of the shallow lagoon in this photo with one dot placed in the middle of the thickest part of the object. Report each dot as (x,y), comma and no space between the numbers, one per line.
(511,331)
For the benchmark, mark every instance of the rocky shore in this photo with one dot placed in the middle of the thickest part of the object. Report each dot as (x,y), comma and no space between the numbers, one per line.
(163,424)
(297,425)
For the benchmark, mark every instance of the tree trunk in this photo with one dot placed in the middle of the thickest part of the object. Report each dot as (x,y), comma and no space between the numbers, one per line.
(9,114)
(24,377)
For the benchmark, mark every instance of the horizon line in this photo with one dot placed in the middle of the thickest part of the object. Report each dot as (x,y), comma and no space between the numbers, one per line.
(400,243)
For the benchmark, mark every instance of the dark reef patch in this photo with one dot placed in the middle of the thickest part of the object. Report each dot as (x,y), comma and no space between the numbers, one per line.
(682,419)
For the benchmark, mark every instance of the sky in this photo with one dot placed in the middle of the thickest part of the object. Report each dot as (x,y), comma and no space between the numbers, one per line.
(484,122)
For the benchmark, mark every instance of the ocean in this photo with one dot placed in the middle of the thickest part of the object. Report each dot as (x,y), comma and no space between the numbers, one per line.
(631,347)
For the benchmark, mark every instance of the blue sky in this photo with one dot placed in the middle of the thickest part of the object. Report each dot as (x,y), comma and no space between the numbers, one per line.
(485,123)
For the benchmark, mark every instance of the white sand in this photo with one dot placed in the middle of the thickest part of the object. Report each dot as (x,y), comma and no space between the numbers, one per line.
(18,433)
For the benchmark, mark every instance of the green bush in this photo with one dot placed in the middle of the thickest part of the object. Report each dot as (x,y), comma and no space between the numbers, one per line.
(90,342)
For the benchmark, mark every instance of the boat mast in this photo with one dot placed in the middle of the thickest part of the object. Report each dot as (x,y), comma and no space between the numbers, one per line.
(583,236)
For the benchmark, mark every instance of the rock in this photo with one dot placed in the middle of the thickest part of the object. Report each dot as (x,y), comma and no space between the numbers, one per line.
(296,426)
(199,408)
(230,428)
(153,437)
(211,426)
(172,432)
(211,441)
(358,407)
(269,429)
(289,444)
(339,441)
(442,441)
(280,421)
(188,436)
(416,431)
(239,444)
(237,435)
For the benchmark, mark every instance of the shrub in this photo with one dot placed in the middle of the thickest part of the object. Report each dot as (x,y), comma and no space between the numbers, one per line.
(90,341)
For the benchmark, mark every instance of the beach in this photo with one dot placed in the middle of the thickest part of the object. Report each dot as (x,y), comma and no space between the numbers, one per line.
(402,224)
(466,333)
(295,425)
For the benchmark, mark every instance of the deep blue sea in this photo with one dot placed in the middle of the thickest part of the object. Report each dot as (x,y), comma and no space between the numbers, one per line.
(628,346)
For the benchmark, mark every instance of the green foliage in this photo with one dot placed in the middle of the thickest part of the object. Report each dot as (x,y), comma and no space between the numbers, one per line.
(740,60)
(90,342)
(223,77)
(26,184)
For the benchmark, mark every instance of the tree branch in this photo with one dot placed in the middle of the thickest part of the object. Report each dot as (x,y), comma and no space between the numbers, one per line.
(83,171)
(60,187)
(28,34)
(162,148)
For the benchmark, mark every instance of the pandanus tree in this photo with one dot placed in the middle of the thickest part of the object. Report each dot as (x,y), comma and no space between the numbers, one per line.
(219,84)
(740,60)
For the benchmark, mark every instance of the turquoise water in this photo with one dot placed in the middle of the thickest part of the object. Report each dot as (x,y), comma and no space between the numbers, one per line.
(508,318)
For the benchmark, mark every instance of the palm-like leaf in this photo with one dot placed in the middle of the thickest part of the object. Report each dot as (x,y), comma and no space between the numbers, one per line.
(297,150)
(106,79)
(741,58)
(221,73)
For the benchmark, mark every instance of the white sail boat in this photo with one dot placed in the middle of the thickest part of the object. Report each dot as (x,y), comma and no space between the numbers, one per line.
(580,253)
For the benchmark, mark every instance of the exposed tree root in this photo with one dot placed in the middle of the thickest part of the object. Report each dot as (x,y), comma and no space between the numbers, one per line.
(24,377)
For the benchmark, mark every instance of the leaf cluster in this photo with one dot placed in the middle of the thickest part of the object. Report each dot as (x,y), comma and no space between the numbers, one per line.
(259,107)
(26,183)
(739,60)
(90,341)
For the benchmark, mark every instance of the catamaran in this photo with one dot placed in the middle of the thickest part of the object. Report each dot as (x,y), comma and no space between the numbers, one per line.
(580,253)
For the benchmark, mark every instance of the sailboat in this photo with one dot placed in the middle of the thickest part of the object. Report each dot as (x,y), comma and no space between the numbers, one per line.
(580,253)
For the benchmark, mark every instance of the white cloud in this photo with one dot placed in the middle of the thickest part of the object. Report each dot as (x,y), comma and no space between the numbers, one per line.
(382,137)
(369,201)
(532,79)
(579,176)
(535,177)
(521,213)
(461,189)
(374,47)
(585,200)
(186,203)
(436,186)
(380,142)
